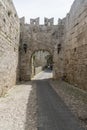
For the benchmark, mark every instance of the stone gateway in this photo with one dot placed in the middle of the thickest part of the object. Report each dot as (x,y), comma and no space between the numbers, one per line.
(65,42)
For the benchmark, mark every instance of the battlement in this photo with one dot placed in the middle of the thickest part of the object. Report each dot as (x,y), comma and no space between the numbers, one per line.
(47,22)
(36,21)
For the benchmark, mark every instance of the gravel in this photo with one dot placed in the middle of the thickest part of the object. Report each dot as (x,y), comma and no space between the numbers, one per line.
(18,108)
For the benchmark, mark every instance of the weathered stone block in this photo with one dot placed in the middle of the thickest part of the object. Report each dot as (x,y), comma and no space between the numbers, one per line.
(9,44)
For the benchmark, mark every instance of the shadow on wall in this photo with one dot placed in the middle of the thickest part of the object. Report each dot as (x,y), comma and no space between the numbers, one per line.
(18,67)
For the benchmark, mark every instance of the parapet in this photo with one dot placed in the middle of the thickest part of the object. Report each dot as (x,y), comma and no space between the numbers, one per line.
(34,21)
(48,22)
(61,21)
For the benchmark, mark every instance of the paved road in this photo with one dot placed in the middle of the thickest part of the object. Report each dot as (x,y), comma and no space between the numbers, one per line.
(53,114)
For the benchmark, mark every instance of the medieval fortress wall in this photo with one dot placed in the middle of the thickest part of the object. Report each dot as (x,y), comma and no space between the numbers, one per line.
(67,42)
(34,37)
(9,43)
(76,44)
(72,58)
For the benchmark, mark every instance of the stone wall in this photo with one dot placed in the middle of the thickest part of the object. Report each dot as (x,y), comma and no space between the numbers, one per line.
(59,49)
(34,37)
(65,41)
(9,44)
(74,48)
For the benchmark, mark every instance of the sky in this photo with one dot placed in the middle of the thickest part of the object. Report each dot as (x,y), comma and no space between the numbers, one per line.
(42,8)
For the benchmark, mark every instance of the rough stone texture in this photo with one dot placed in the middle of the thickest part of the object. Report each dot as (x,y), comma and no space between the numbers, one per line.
(74,49)
(35,37)
(9,42)
(59,49)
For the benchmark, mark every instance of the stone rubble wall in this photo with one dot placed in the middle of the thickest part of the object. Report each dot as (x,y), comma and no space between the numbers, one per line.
(9,44)
(74,49)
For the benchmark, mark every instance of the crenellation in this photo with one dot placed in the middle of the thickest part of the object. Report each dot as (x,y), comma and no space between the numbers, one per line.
(34,21)
(48,22)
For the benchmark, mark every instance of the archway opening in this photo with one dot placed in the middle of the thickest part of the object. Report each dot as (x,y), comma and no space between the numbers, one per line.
(41,60)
